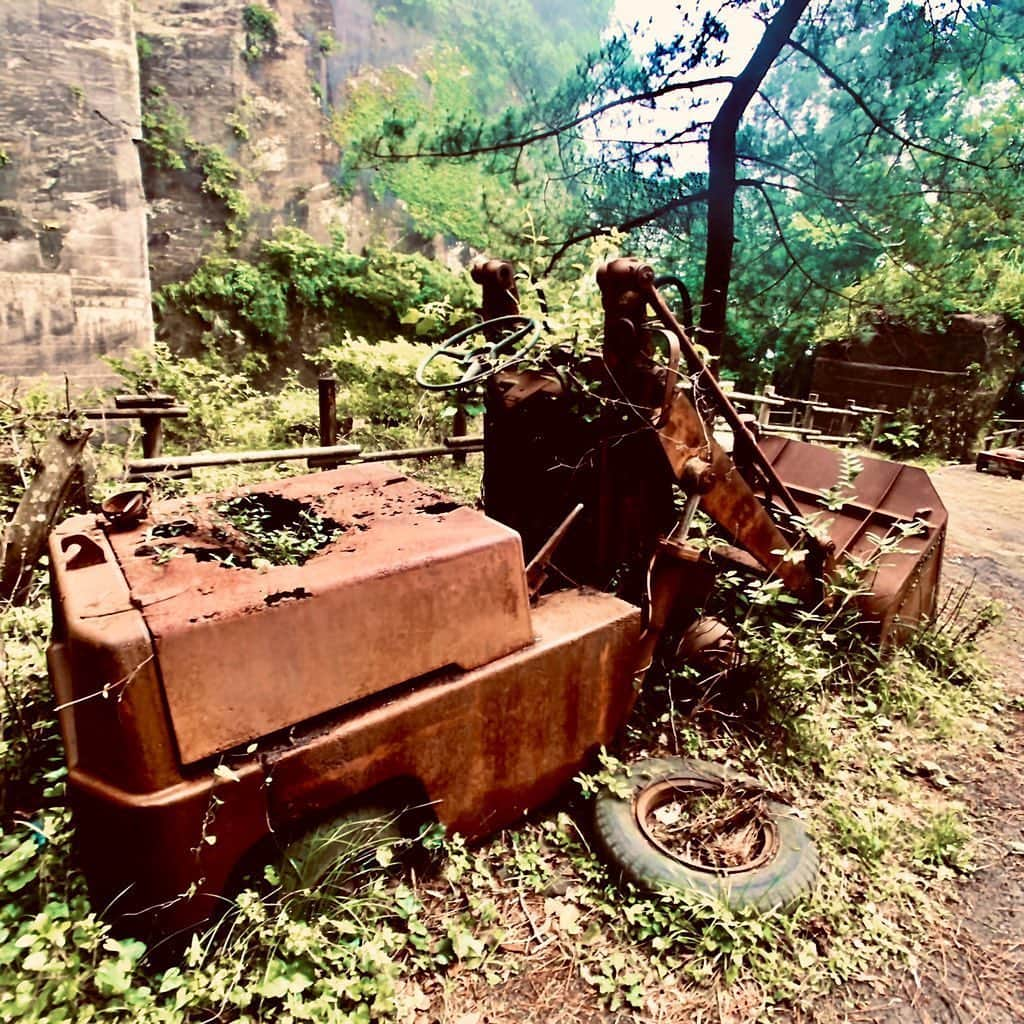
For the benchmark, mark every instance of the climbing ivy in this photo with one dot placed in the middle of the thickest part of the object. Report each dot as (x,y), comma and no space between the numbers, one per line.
(260,31)
(170,147)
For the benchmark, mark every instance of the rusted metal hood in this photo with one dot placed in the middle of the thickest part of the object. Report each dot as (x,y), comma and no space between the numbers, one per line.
(409,584)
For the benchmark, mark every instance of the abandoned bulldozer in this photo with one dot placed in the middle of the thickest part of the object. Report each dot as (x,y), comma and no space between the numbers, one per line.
(216,705)
(638,431)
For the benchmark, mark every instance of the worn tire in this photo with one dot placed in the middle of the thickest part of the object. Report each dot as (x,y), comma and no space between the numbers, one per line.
(789,872)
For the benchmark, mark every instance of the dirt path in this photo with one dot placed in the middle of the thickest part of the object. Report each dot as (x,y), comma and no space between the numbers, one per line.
(975,969)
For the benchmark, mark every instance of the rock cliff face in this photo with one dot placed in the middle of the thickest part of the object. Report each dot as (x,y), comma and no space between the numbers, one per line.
(80,78)
(262,114)
(73,267)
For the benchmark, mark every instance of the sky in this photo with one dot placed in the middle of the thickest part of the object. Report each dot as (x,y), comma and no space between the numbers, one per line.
(660,20)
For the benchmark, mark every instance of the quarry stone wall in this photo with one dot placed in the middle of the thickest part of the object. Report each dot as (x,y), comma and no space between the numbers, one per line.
(74,283)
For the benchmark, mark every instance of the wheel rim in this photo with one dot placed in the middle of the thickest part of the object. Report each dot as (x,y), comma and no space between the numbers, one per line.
(658,794)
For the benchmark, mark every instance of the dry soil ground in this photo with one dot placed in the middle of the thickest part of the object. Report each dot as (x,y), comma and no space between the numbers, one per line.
(972,972)
(975,969)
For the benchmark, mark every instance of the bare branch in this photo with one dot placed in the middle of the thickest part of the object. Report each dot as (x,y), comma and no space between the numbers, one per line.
(632,224)
(874,118)
(559,129)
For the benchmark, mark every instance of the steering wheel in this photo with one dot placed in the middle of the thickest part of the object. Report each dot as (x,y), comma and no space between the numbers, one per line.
(478,361)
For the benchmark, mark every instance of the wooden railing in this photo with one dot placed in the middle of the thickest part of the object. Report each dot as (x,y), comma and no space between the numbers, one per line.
(796,417)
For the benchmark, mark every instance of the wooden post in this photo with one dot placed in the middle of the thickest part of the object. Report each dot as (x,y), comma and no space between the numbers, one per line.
(808,420)
(460,423)
(328,392)
(152,435)
(844,420)
(764,410)
(876,427)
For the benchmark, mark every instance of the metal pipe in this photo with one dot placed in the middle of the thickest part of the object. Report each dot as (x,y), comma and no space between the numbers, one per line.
(333,453)
(241,458)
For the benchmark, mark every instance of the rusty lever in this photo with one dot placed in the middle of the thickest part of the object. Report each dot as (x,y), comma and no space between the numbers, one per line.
(537,570)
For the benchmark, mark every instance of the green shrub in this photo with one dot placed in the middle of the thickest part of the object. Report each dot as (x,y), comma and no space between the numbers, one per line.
(377,387)
(164,131)
(260,31)
(295,284)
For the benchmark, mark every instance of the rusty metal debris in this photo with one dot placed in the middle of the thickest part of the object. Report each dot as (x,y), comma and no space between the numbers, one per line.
(25,536)
(213,696)
(1008,460)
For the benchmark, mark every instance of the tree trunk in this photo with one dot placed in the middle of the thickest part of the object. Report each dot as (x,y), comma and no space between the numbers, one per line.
(722,173)
(24,538)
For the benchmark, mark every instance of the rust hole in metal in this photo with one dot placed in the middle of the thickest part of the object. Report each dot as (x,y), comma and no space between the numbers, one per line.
(283,531)
(226,557)
(709,826)
(298,594)
(438,508)
(174,528)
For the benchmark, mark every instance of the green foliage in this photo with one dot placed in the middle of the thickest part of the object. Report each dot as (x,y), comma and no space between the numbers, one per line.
(254,299)
(170,147)
(221,176)
(261,25)
(164,131)
(276,535)
(229,411)
(944,841)
(143,46)
(922,219)
(477,64)
(377,387)
(31,763)
(462,200)
(295,284)
(326,42)
(901,437)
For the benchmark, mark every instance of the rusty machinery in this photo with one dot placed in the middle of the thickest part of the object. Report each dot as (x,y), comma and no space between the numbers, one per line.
(213,704)
(649,436)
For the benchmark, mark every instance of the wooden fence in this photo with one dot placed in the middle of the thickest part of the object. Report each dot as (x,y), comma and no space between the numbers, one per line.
(805,418)
(810,419)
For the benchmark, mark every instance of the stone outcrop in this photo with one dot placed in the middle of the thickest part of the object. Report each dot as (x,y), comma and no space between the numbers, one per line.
(262,114)
(951,382)
(74,284)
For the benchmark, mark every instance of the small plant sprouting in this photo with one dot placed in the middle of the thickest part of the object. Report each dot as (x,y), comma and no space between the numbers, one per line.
(611,776)
(849,469)
(326,43)
(260,31)
(278,529)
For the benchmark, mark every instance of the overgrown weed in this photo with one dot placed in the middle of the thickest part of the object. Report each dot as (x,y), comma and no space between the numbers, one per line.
(857,741)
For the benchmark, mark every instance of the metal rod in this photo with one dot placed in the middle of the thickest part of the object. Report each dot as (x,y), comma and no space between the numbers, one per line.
(241,458)
(335,453)
(682,528)
(415,453)
(459,426)
(469,441)
(537,570)
(707,380)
